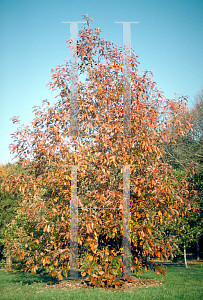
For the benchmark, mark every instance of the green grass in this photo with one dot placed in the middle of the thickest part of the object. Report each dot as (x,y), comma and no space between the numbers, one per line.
(179,283)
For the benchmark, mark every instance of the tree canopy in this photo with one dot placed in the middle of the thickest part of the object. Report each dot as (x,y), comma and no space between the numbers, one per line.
(39,237)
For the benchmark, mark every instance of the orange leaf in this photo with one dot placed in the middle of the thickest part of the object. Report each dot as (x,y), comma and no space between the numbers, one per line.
(159,213)
(149,230)
(45,228)
(36,241)
(89,271)
(60,277)
(88,228)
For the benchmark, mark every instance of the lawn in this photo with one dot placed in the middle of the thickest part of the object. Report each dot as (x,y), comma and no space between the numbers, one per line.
(179,283)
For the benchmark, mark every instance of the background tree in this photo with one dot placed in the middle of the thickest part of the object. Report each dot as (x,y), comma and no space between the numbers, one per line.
(9,199)
(187,150)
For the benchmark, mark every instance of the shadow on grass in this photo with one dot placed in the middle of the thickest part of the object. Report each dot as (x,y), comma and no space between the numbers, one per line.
(29,278)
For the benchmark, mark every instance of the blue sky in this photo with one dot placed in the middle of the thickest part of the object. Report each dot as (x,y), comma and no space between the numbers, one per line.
(168,40)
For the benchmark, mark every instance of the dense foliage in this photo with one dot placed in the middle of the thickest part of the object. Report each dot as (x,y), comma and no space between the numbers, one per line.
(39,236)
(188,149)
(9,199)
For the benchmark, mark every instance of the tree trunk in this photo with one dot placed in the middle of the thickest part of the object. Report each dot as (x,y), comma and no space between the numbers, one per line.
(197,243)
(8,261)
(185,258)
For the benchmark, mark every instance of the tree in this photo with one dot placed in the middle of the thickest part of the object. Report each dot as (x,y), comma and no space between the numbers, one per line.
(197,180)
(183,226)
(43,241)
(9,199)
(186,150)
(197,134)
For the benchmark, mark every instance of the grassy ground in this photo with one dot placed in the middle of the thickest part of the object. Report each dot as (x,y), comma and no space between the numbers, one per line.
(179,283)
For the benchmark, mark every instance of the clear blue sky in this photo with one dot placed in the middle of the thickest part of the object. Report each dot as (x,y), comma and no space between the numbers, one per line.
(168,40)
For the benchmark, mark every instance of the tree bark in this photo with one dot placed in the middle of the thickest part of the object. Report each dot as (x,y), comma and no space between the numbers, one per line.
(185,256)
(197,243)
(8,261)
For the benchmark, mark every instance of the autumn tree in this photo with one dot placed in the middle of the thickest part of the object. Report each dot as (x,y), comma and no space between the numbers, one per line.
(100,151)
